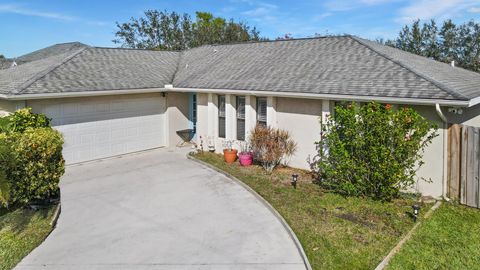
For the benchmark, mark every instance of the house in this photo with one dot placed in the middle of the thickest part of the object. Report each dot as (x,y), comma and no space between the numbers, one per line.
(111,101)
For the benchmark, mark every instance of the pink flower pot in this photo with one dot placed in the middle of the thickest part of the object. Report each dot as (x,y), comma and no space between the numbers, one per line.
(246,159)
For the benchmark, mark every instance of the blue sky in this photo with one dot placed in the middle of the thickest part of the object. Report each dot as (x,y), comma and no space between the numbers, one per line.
(27,25)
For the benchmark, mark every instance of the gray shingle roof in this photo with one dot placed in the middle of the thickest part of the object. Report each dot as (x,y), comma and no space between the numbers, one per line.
(82,68)
(96,69)
(331,65)
(70,47)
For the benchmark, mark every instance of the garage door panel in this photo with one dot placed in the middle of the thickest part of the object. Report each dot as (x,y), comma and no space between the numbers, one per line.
(100,127)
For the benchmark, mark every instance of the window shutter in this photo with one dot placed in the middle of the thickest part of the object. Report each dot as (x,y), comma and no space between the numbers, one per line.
(221,106)
(262,110)
(221,117)
(241,118)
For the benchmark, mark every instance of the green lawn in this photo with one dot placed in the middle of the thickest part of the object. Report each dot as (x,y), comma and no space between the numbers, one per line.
(336,232)
(450,239)
(21,231)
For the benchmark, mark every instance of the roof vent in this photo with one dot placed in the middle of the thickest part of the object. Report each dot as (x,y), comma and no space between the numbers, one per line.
(14,64)
(452,63)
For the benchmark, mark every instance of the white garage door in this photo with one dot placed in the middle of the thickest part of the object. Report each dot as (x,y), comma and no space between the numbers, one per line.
(105,126)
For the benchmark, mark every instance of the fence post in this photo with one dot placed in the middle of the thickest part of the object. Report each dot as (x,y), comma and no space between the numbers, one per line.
(463,170)
(454,160)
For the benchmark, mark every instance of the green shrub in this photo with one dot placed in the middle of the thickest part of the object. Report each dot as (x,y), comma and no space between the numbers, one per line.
(31,161)
(4,183)
(271,146)
(33,164)
(372,150)
(22,119)
(4,122)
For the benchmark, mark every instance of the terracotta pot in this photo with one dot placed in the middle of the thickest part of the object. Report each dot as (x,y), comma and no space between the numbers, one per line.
(230,155)
(246,159)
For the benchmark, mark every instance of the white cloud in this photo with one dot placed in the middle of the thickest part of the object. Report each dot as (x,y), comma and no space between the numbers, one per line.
(16,9)
(261,11)
(322,16)
(474,10)
(434,9)
(344,5)
(6,8)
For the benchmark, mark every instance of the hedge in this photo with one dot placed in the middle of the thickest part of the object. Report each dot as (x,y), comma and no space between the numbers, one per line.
(30,159)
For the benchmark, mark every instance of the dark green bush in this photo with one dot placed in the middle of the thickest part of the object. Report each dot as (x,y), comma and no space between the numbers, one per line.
(31,159)
(372,150)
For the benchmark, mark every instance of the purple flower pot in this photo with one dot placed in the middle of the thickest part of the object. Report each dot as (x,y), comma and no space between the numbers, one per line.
(246,159)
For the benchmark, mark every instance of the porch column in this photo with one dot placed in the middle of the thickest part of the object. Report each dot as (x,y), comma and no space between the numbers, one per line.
(272,111)
(230,117)
(325,110)
(250,114)
(202,119)
(325,113)
(211,116)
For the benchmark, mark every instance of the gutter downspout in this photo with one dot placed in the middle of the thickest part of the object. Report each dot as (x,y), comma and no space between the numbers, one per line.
(445,150)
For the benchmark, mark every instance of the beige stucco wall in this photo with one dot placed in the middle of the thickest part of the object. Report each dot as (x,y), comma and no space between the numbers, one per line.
(177,116)
(432,170)
(7,107)
(301,117)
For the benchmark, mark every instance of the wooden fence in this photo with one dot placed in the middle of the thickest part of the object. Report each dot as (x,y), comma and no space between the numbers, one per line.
(464,164)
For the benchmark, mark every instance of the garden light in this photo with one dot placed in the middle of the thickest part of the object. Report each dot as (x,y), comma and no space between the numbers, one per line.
(294,180)
(416,211)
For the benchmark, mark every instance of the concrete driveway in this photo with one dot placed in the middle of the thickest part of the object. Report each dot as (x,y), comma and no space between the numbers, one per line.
(159,210)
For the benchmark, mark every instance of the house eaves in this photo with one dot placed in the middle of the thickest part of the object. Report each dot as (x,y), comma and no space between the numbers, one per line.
(170,88)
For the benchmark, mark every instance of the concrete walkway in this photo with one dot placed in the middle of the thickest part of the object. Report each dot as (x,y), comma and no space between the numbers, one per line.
(159,210)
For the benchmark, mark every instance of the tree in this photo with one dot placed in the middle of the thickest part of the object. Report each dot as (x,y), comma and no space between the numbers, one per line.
(162,30)
(459,43)
(287,36)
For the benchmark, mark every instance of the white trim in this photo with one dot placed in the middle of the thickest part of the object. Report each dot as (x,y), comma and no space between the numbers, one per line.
(415,101)
(168,88)
(83,94)
(474,101)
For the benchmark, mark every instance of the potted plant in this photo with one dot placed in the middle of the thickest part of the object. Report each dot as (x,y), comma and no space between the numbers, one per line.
(229,154)
(246,155)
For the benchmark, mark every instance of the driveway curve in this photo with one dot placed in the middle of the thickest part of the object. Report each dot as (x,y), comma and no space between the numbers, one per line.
(159,210)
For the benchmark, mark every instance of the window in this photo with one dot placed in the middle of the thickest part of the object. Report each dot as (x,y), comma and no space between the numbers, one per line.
(262,111)
(193,112)
(221,116)
(241,118)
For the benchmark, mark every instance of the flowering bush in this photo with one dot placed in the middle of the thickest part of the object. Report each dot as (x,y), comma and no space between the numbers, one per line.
(22,119)
(31,161)
(270,146)
(372,150)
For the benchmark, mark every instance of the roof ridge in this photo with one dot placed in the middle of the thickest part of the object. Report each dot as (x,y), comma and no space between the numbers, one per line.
(135,49)
(270,41)
(441,86)
(43,73)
